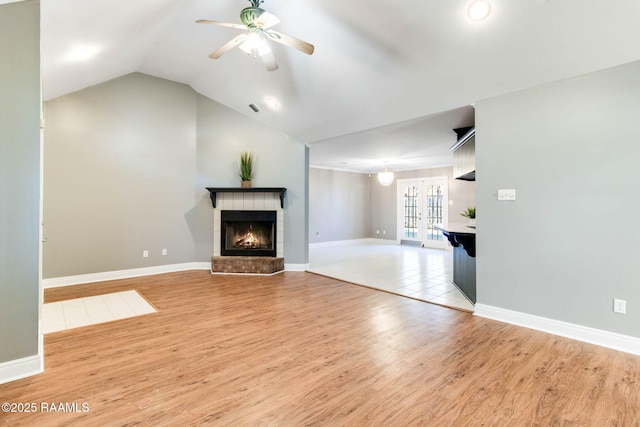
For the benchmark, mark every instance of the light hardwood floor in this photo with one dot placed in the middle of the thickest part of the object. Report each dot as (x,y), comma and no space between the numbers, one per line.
(298,349)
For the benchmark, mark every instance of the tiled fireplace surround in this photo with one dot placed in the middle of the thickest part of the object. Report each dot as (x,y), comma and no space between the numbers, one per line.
(258,201)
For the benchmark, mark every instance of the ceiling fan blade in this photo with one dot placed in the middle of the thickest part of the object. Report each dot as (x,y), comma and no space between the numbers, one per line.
(266,20)
(228,46)
(286,40)
(223,24)
(269,60)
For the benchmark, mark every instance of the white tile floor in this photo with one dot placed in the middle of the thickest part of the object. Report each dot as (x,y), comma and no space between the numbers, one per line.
(69,314)
(416,272)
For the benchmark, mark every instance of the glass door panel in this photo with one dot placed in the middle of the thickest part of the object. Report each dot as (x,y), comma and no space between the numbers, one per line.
(435,210)
(411,213)
(423,205)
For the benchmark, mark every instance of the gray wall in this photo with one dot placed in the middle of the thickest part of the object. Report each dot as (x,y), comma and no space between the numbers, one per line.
(340,206)
(570,242)
(126,166)
(118,176)
(19,179)
(349,205)
(280,162)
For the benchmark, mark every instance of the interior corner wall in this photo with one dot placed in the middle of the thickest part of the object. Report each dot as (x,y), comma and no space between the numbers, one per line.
(119,162)
(280,161)
(20,106)
(339,205)
(568,245)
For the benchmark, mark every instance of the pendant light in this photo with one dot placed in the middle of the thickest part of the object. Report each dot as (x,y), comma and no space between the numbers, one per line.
(385,178)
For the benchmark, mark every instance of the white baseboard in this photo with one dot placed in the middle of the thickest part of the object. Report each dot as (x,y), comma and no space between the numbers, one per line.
(599,337)
(138,272)
(354,242)
(123,274)
(382,241)
(296,267)
(21,368)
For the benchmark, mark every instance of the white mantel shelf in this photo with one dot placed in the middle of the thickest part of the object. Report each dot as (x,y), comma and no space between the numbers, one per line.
(214,190)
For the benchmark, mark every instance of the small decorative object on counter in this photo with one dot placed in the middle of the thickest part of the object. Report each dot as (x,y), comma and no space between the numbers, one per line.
(471,214)
(246,169)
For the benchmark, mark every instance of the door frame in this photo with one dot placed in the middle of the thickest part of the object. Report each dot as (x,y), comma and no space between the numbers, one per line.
(422,182)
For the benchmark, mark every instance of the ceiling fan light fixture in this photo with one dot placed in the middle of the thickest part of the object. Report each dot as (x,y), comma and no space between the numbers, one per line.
(385,178)
(257,22)
(479,10)
(255,44)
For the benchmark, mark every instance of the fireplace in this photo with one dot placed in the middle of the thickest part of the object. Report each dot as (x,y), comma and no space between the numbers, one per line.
(248,233)
(258,214)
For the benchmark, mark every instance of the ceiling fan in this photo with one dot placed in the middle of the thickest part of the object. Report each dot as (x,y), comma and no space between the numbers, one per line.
(257,22)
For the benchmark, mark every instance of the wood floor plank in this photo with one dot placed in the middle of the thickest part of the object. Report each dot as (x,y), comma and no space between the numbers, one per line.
(297,349)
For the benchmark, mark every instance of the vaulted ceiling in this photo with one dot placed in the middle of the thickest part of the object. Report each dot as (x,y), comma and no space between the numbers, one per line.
(388,81)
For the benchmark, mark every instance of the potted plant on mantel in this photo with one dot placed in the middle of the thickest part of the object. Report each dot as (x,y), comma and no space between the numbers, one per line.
(471,214)
(246,169)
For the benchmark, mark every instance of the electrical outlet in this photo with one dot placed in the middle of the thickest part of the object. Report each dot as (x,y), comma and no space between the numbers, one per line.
(377,231)
(384,231)
(619,306)
(145,254)
(164,252)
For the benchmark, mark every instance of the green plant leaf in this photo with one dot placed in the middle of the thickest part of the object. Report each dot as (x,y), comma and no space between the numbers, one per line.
(246,171)
(469,212)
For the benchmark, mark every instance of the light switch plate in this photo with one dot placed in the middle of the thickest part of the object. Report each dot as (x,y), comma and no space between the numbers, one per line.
(507,194)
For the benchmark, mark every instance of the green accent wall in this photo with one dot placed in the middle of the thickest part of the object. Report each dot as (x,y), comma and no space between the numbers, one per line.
(20,108)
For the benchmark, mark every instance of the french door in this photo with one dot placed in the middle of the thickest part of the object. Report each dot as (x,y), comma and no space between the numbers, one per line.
(422,204)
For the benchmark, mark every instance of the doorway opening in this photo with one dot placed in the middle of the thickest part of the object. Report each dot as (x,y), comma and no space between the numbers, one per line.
(423,204)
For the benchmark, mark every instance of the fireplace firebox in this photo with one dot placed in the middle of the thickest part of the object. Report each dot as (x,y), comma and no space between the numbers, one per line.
(248,233)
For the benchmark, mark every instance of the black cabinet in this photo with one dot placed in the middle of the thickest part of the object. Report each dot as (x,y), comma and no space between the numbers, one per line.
(464,262)
(464,273)
(464,156)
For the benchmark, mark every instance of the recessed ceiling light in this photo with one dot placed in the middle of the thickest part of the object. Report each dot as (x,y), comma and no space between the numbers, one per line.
(272,102)
(479,10)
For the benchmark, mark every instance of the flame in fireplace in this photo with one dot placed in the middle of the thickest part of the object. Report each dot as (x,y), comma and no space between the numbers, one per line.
(249,240)
(248,233)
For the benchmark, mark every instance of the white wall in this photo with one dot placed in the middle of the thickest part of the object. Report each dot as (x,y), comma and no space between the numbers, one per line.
(570,242)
